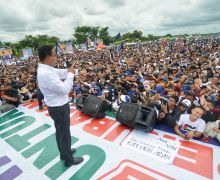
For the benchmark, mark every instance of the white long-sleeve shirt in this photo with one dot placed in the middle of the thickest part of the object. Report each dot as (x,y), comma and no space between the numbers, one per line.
(55,90)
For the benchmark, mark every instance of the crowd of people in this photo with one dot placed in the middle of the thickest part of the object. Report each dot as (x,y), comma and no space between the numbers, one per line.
(179,78)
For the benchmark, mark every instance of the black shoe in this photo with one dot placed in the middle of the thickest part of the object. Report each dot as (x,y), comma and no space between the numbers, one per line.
(73,150)
(41,107)
(75,161)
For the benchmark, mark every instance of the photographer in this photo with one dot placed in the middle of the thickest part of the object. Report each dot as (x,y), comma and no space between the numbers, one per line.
(169,112)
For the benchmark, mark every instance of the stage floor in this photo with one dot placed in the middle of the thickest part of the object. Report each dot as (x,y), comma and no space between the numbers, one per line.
(111,151)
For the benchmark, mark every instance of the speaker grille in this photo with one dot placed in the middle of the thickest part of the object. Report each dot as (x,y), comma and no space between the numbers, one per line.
(92,105)
(127,113)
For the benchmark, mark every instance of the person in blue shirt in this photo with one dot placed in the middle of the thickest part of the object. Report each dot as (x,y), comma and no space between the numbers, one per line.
(96,91)
(77,91)
(78,88)
(133,89)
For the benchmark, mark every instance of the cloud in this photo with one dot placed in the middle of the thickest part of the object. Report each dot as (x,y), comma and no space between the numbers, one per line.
(59,18)
(115,3)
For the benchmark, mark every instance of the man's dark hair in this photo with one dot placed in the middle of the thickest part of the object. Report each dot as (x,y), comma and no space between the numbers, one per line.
(176,98)
(44,51)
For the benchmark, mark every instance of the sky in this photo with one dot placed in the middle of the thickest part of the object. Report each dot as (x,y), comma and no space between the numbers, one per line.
(59,17)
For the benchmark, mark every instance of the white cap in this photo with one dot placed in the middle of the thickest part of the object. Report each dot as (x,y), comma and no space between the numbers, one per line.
(125,98)
(186,102)
(106,91)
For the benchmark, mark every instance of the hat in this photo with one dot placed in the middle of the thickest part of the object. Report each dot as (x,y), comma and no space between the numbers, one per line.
(96,87)
(24,90)
(134,84)
(106,91)
(186,103)
(125,98)
(217,67)
(186,88)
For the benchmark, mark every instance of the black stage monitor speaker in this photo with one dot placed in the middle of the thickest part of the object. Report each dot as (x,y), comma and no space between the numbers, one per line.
(80,103)
(93,106)
(127,113)
(146,119)
(136,116)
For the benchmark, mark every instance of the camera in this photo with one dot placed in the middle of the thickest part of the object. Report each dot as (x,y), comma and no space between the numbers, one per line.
(203,86)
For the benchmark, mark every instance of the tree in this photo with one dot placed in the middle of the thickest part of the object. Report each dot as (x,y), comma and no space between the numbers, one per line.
(168,35)
(136,34)
(83,32)
(126,36)
(150,37)
(104,35)
(7,44)
(94,31)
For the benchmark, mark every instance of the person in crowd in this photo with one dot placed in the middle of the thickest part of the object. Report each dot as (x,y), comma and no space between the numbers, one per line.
(212,130)
(184,106)
(25,95)
(169,112)
(191,125)
(10,98)
(121,99)
(40,99)
(77,92)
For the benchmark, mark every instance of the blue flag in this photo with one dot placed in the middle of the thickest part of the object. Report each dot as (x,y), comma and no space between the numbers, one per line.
(118,36)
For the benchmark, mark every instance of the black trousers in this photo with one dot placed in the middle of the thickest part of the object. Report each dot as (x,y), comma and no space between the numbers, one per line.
(61,117)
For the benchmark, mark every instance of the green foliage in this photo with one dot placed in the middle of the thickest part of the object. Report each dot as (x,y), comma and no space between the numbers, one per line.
(83,32)
(168,35)
(36,41)
(30,41)
(104,35)
(136,34)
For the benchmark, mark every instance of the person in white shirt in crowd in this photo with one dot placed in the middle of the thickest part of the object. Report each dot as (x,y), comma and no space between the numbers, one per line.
(121,99)
(191,125)
(212,129)
(55,84)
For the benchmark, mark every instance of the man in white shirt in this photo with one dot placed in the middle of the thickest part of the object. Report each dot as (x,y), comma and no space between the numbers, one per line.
(55,84)
(191,125)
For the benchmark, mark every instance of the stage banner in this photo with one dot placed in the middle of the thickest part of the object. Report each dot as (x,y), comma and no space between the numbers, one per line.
(7,56)
(84,47)
(5,53)
(154,146)
(69,48)
(27,53)
(28,150)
